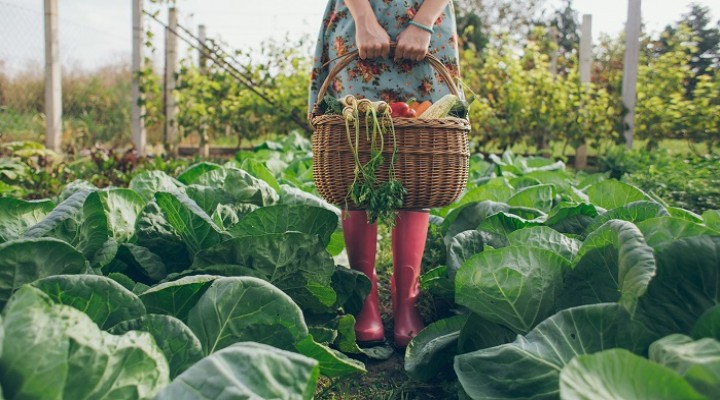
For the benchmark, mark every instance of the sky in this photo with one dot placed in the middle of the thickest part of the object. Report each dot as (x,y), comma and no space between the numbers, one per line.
(98,32)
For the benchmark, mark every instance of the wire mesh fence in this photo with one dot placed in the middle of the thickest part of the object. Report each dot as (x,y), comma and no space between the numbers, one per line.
(95,76)
(21,70)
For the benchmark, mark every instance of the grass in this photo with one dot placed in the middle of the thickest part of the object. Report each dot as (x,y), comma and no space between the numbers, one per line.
(230,140)
(96,106)
(16,126)
(557,150)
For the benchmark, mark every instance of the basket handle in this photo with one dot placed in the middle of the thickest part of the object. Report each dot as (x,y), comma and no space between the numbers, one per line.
(346,59)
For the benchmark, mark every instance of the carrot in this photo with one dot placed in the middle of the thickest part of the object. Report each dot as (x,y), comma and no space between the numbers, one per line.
(414,104)
(421,107)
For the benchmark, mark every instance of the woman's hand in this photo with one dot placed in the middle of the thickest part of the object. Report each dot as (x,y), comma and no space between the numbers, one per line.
(412,44)
(371,38)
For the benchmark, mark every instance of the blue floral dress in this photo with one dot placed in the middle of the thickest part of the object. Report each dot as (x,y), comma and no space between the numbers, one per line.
(383,79)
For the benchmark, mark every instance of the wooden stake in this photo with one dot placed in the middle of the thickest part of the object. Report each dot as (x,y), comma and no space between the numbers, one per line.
(585,78)
(586,57)
(138,111)
(171,59)
(204,149)
(554,56)
(630,68)
(202,58)
(53,79)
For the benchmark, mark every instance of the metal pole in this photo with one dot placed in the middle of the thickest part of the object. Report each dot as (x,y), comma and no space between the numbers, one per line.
(171,56)
(53,79)
(630,68)
(585,78)
(138,110)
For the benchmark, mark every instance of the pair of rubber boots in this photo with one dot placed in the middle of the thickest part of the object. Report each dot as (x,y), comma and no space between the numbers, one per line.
(408,244)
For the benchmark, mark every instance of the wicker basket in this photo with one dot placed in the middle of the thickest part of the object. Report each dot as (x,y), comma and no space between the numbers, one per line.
(432,158)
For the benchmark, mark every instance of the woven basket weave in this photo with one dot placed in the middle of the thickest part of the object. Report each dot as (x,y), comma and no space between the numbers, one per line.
(432,158)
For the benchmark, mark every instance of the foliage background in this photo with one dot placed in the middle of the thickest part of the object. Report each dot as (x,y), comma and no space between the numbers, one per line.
(526,79)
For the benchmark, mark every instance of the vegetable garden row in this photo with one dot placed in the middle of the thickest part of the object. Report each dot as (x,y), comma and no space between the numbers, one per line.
(222,283)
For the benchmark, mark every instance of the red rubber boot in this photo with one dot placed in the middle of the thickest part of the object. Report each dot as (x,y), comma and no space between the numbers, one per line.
(408,244)
(361,246)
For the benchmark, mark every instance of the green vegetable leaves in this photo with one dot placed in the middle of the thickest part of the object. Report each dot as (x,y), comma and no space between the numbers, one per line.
(246,309)
(58,352)
(538,358)
(619,374)
(330,106)
(224,280)
(103,300)
(514,286)
(246,370)
(21,263)
(295,262)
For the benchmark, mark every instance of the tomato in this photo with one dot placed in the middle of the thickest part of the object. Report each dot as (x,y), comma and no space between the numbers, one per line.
(399,109)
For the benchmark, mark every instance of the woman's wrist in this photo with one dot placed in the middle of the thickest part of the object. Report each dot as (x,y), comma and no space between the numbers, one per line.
(430,11)
(366,22)
(426,28)
(417,31)
(424,20)
(363,17)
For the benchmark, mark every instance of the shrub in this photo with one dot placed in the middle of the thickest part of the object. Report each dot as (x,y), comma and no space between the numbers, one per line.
(685,181)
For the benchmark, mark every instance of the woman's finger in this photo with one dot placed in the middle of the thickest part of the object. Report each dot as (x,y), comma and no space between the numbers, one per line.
(385,50)
(373,52)
(369,51)
(362,52)
(399,51)
(411,54)
(377,50)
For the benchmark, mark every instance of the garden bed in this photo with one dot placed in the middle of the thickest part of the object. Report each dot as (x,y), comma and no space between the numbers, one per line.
(563,275)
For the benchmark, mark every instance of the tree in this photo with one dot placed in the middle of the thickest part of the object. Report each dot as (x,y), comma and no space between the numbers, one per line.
(503,18)
(218,102)
(471,32)
(705,54)
(565,23)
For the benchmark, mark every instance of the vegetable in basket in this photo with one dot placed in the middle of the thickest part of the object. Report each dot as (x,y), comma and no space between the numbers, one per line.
(401,109)
(379,199)
(330,106)
(448,106)
(420,107)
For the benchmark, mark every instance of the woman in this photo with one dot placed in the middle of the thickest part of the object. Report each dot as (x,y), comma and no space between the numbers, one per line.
(418,27)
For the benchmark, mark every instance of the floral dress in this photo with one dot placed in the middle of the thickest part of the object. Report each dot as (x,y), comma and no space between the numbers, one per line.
(383,79)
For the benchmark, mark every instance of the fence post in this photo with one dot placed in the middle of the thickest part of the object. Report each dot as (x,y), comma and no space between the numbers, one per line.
(202,37)
(585,77)
(554,56)
(171,55)
(138,109)
(204,149)
(630,68)
(53,79)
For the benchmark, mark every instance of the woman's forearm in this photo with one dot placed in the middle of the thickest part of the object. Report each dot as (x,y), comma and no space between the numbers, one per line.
(430,11)
(371,39)
(414,41)
(361,11)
